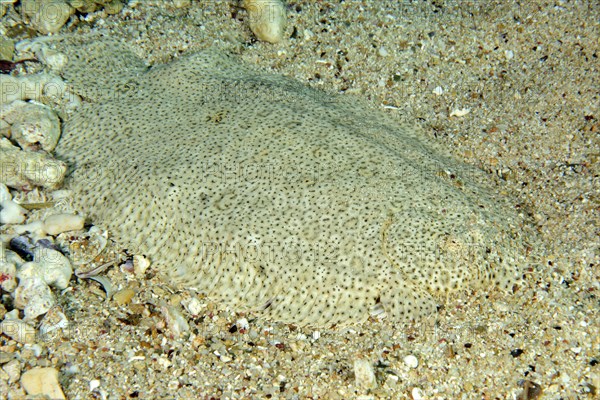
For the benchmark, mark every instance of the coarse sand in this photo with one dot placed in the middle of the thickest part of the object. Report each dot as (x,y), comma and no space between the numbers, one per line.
(511,88)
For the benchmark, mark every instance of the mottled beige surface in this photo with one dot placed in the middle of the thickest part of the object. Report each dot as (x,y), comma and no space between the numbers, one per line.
(267,195)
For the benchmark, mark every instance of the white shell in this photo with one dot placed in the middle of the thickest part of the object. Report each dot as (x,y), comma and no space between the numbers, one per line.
(37,87)
(193,306)
(54,320)
(267,19)
(242,324)
(411,361)
(416,394)
(364,374)
(12,370)
(27,169)
(140,265)
(438,91)
(47,16)
(18,330)
(8,271)
(4,193)
(59,223)
(460,112)
(176,323)
(31,124)
(55,268)
(33,295)
(11,213)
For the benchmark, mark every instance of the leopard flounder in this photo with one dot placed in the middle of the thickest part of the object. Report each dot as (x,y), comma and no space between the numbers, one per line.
(310,208)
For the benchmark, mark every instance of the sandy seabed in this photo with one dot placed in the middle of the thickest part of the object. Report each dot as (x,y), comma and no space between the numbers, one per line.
(528,76)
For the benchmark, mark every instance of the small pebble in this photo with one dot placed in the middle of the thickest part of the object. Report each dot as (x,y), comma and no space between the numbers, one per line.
(6,357)
(42,381)
(11,213)
(267,19)
(460,112)
(13,370)
(33,295)
(242,324)
(8,271)
(54,320)
(364,374)
(59,223)
(35,348)
(438,91)
(225,359)
(4,193)
(411,361)
(124,296)
(182,3)
(193,306)
(176,323)
(94,384)
(55,268)
(416,394)
(516,352)
(140,265)
(531,390)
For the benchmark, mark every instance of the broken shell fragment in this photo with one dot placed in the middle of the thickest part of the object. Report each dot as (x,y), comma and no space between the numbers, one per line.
(140,265)
(43,383)
(124,296)
(8,273)
(267,19)
(31,125)
(55,267)
(4,193)
(47,16)
(59,223)
(25,170)
(33,295)
(11,213)
(40,87)
(85,252)
(53,321)
(18,330)
(176,323)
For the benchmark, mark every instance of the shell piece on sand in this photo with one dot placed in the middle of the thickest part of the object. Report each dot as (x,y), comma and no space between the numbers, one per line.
(262,193)
(31,125)
(42,381)
(267,19)
(26,169)
(47,16)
